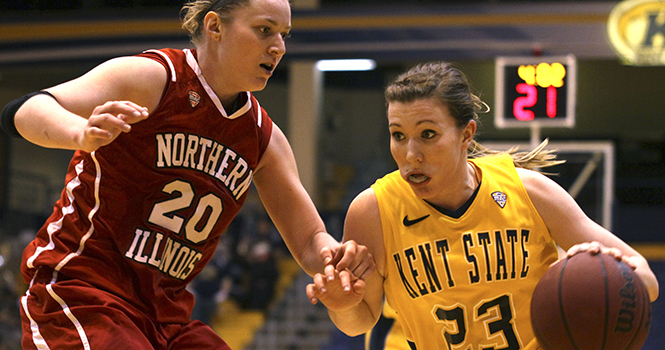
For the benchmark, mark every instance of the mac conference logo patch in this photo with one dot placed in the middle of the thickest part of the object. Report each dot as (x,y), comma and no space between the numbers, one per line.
(194,98)
(500,198)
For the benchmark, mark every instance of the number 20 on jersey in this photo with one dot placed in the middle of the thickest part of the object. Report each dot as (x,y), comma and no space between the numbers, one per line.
(535,90)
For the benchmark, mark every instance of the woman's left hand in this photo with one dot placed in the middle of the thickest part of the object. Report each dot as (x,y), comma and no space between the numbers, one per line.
(351,257)
(597,248)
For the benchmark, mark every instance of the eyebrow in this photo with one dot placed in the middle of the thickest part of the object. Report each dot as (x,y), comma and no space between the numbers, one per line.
(418,123)
(273,22)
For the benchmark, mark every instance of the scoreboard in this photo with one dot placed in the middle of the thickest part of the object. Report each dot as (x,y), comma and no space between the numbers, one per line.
(535,92)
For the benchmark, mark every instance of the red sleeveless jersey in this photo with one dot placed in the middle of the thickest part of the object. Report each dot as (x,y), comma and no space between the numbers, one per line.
(140,217)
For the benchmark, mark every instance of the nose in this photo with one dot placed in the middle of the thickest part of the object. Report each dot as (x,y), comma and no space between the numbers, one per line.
(413,153)
(278,46)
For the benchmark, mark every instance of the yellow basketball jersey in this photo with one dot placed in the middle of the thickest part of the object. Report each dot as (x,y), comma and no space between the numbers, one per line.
(464,283)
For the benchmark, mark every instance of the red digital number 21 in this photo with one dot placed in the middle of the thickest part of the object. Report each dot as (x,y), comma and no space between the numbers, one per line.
(530,100)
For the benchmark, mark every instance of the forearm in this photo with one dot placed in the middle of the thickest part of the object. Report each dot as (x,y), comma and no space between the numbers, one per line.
(353,310)
(354,321)
(309,256)
(647,276)
(42,121)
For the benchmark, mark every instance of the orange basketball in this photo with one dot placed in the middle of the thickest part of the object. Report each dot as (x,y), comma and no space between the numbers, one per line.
(590,302)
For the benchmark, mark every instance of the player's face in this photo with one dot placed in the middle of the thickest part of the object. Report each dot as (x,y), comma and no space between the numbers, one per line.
(429,148)
(252,44)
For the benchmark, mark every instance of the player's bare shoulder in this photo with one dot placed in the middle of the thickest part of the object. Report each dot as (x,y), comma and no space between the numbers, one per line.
(537,185)
(366,204)
(136,70)
(138,64)
(132,78)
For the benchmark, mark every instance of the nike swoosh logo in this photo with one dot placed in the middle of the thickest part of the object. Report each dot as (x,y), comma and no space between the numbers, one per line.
(408,222)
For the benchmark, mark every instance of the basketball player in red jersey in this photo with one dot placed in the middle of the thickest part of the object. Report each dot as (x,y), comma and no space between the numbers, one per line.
(167,144)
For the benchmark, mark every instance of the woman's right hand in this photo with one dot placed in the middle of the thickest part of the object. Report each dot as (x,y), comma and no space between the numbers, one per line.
(333,293)
(107,122)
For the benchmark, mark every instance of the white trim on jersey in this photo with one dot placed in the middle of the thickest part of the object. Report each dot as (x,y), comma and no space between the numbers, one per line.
(168,60)
(191,61)
(259,114)
(37,338)
(92,213)
(70,315)
(56,226)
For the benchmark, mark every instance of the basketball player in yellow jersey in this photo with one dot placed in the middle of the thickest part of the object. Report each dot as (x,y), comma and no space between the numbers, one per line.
(460,241)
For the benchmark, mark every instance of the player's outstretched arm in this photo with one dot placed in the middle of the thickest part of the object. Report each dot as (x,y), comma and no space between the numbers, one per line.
(574,231)
(350,308)
(350,256)
(296,218)
(355,310)
(92,110)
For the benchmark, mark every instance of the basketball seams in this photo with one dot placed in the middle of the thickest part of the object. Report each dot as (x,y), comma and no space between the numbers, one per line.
(587,302)
(562,309)
(607,300)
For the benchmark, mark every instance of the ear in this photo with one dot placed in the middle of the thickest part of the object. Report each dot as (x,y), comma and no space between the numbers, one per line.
(212,25)
(468,132)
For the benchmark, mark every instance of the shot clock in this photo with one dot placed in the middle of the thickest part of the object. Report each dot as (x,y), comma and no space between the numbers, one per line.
(535,92)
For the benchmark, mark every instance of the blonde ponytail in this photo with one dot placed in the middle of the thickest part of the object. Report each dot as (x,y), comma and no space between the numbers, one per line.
(535,159)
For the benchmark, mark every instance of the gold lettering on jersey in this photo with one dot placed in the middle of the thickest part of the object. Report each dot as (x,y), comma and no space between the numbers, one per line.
(179,150)
(176,260)
(491,256)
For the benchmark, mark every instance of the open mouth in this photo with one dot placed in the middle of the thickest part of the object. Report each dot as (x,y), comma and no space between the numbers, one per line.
(417,178)
(268,67)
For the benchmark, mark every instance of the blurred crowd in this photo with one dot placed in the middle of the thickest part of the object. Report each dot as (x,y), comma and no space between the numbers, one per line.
(11,286)
(245,267)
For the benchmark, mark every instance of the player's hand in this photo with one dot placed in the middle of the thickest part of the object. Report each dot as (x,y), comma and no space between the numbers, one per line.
(333,293)
(598,248)
(107,122)
(349,256)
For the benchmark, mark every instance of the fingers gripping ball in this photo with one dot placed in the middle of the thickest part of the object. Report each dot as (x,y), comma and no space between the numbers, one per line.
(590,302)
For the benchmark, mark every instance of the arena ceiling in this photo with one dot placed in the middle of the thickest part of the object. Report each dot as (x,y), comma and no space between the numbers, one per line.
(386,34)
